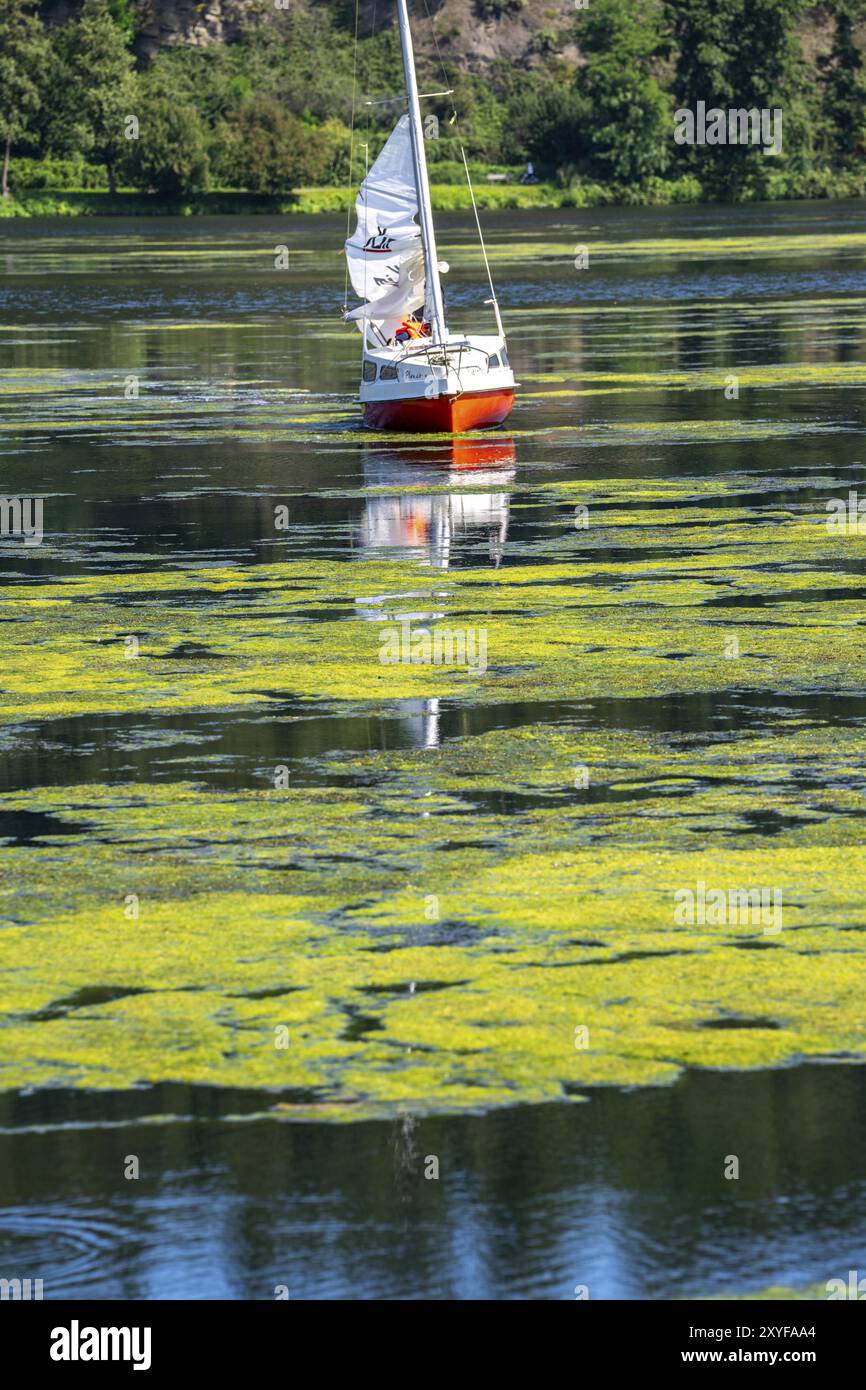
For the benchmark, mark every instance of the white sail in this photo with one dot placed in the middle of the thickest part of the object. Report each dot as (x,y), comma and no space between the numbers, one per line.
(385,254)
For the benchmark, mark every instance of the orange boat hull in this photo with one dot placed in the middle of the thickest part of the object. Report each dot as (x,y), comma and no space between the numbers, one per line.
(473,410)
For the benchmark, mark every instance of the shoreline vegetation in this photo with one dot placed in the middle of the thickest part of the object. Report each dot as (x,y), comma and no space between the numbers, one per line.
(128,202)
(616,105)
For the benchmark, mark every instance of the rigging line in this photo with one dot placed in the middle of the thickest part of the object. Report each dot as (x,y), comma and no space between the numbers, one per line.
(352,146)
(478,225)
(456,121)
(441,60)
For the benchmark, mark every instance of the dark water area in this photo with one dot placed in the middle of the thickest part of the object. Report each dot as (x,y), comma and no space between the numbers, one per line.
(623,1194)
(164,388)
(311,738)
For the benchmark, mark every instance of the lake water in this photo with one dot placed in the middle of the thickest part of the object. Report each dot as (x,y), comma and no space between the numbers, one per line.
(431,878)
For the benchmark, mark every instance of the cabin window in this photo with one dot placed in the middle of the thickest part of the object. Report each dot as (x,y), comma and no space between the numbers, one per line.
(369,372)
(388,374)
(504,356)
(493,361)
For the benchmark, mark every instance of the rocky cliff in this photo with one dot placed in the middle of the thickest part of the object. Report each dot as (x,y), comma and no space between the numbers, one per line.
(472,33)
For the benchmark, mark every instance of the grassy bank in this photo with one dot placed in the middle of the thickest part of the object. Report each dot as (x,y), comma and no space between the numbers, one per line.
(446,198)
(90,202)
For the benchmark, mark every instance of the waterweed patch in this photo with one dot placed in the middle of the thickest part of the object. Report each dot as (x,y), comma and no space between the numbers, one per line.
(322,939)
(577,624)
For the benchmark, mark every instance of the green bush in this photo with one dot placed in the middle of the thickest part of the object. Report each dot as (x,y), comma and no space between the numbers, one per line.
(170,155)
(268,150)
(58,174)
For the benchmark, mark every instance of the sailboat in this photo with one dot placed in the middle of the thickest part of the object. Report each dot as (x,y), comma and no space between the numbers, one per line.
(416,375)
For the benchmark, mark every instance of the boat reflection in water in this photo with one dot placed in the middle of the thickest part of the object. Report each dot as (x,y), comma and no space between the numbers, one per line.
(471,500)
(439,529)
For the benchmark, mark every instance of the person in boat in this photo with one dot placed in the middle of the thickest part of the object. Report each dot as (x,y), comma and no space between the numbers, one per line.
(412,327)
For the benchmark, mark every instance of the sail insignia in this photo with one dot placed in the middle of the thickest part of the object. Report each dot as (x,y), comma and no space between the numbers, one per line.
(386,207)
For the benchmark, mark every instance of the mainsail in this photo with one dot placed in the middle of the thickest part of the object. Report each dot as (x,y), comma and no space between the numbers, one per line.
(385,253)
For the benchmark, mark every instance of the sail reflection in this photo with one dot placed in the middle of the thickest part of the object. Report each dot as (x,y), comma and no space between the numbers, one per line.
(471,500)
(437,501)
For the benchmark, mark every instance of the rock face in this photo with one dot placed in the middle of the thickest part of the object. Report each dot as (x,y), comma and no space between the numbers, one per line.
(165,22)
(471,33)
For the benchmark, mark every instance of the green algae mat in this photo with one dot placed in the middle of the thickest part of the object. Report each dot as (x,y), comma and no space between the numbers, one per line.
(514,915)
(254,835)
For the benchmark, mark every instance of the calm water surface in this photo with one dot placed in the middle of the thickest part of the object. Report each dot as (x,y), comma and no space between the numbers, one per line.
(164,388)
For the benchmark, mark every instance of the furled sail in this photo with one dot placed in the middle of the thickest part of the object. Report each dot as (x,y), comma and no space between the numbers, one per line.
(385,254)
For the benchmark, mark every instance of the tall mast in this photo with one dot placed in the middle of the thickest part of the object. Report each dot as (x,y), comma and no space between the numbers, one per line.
(434,289)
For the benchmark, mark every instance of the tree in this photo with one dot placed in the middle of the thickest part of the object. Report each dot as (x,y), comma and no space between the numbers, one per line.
(628,114)
(743,54)
(101,85)
(170,154)
(547,124)
(23,57)
(274,151)
(705,36)
(844,86)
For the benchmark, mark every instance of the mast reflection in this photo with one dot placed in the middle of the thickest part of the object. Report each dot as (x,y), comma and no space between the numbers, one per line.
(468,499)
